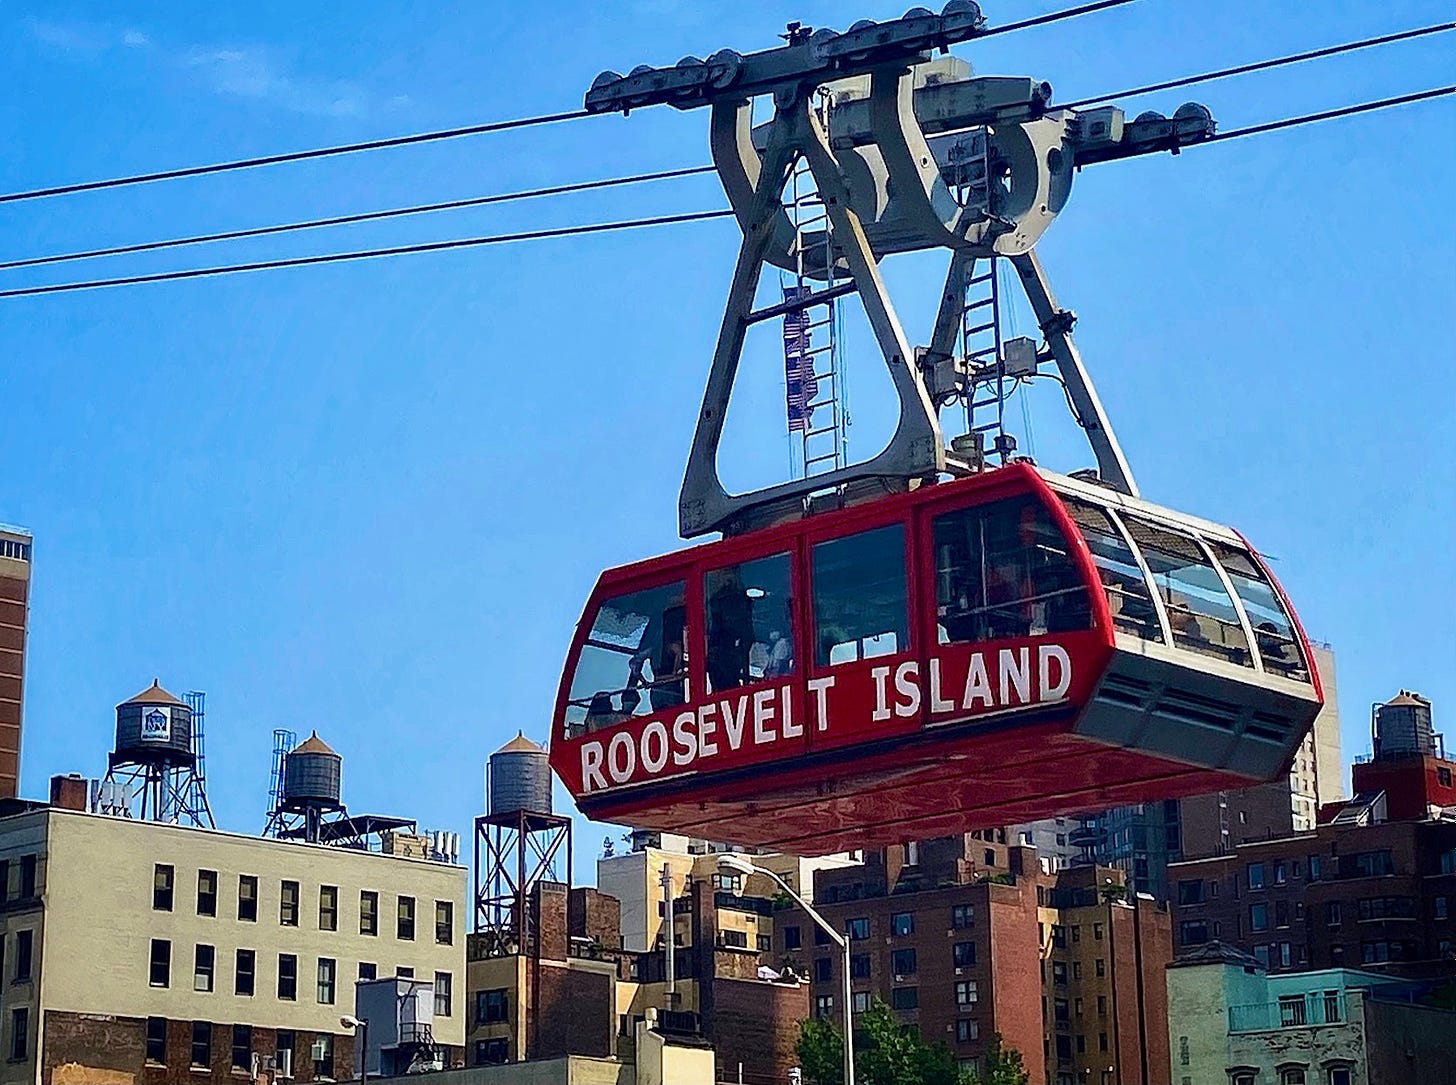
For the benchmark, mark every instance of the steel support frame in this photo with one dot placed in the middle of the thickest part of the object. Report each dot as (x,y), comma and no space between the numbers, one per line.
(1056,326)
(916,450)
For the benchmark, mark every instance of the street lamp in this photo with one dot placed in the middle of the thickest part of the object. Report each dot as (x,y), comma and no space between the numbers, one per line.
(735,863)
(361,1033)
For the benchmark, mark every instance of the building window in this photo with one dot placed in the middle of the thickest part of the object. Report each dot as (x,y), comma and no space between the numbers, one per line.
(328,907)
(1190,891)
(1193,932)
(404,927)
(1279,875)
(442,994)
(1291,1011)
(734,939)
(1097,931)
(405,970)
(326,973)
(288,905)
(1292,1075)
(1256,875)
(964,954)
(962,916)
(1258,917)
(910,854)
(203,960)
(243,972)
(19,1034)
(793,938)
(367,970)
(1102,1006)
(821,936)
(1337,1075)
(368,912)
(1438,908)
(1332,913)
(27,877)
(1314,868)
(202,1045)
(967,1030)
(859,966)
(902,924)
(904,998)
(207,892)
(902,962)
(823,1005)
(24,943)
(160,972)
(858,930)
(823,969)
(1443,777)
(492,1052)
(157,1041)
(287,977)
(1059,973)
(490,1006)
(323,1055)
(859,1002)
(1100,966)
(286,1042)
(965,992)
(444,923)
(248,898)
(5,880)
(162,876)
(242,1047)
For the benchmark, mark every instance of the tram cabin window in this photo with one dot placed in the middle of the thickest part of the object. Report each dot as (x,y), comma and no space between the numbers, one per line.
(634,660)
(1003,570)
(1200,612)
(1274,634)
(1122,577)
(859,596)
(749,631)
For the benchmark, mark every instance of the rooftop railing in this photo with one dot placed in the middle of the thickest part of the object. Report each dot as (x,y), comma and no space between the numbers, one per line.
(1299,1011)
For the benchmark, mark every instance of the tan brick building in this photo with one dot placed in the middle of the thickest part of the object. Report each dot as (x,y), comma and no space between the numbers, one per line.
(967,937)
(139,952)
(15,550)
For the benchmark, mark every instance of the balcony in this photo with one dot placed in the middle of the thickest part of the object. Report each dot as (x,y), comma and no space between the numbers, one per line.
(1308,1011)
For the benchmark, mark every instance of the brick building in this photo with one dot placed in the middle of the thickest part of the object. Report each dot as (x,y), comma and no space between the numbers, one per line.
(15,549)
(155,953)
(1360,893)
(555,998)
(1371,887)
(967,937)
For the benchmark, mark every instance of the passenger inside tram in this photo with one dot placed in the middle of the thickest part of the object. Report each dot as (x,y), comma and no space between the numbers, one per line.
(1002,570)
(663,647)
(748,622)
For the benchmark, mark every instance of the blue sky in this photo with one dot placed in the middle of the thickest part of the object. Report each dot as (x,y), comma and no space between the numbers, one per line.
(371,498)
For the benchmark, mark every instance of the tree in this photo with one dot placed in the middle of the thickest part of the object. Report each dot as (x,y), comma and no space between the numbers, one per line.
(1001,1065)
(886,1053)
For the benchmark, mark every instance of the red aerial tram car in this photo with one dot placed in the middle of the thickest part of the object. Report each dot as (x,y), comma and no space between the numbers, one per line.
(980,652)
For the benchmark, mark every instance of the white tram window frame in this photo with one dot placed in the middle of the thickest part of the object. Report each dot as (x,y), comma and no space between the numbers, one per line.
(1249,658)
(1273,606)
(1160,612)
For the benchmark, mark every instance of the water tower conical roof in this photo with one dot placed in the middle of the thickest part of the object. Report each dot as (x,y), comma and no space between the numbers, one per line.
(314,744)
(520,744)
(153,694)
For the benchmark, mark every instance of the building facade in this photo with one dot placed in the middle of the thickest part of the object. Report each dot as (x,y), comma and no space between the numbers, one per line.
(968,937)
(136,951)
(1378,895)
(1232,1023)
(15,564)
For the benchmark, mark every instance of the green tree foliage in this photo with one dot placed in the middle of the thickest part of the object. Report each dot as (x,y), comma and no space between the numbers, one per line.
(1001,1065)
(889,1053)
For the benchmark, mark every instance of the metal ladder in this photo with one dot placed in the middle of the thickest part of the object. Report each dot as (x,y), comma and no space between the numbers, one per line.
(821,447)
(981,347)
